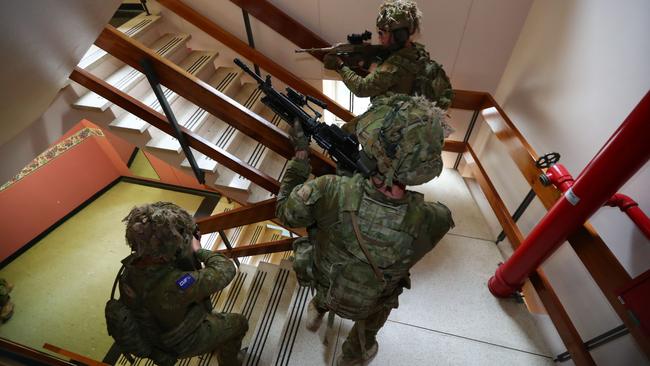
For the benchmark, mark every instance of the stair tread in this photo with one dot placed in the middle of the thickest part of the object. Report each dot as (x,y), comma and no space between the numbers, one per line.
(193,63)
(132,28)
(127,77)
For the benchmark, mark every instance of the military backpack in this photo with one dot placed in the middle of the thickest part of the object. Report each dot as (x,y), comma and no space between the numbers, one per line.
(123,325)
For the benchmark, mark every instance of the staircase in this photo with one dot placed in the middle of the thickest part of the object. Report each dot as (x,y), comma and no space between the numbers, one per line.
(429,322)
(205,65)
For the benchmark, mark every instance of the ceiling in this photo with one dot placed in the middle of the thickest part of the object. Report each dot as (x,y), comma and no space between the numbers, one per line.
(41,42)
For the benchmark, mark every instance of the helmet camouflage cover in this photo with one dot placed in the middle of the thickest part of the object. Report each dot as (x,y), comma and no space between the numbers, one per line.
(405,135)
(159,230)
(396,14)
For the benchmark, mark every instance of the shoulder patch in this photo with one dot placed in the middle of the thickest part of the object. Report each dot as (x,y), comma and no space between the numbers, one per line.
(185,281)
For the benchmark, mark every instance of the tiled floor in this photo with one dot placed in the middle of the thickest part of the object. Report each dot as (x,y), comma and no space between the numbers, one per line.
(450,188)
(449,317)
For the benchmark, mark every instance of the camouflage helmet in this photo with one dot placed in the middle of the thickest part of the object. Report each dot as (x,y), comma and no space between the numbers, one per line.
(160,230)
(397,14)
(405,135)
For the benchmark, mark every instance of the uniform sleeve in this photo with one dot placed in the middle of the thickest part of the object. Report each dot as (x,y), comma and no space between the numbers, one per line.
(295,207)
(376,83)
(216,275)
(437,222)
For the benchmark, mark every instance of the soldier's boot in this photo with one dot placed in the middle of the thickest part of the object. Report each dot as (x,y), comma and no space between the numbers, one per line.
(7,311)
(314,317)
(358,360)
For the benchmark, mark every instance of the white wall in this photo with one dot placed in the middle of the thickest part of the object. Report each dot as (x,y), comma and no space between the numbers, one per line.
(577,70)
(41,42)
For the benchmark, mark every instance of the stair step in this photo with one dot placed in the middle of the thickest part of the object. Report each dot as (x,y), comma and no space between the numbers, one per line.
(194,63)
(271,320)
(133,28)
(127,77)
(274,165)
(193,118)
(298,346)
(256,153)
(223,135)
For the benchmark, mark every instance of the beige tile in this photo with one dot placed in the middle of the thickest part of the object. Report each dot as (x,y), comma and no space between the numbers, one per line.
(450,188)
(401,344)
(449,294)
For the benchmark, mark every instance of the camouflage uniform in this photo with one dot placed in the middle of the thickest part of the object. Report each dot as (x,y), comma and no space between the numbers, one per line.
(396,74)
(406,70)
(177,298)
(319,204)
(6,306)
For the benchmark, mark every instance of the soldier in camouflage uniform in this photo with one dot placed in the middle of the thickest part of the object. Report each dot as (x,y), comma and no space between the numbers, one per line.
(5,300)
(396,226)
(397,23)
(157,278)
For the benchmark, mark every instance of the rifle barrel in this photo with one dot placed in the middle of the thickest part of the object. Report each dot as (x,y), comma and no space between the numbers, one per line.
(324,49)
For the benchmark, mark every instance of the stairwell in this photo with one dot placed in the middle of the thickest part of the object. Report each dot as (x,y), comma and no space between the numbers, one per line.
(448,317)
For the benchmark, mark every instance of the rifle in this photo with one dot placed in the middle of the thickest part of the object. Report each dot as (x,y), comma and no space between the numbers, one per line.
(356,54)
(343,147)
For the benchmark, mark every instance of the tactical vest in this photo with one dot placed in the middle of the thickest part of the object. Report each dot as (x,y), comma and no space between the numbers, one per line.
(135,328)
(430,79)
(388,232)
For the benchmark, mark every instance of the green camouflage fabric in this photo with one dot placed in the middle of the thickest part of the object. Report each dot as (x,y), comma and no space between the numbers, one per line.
(396,74)
(397,232)
(405,135)
(171,305)
(159,230)
(431,80)
(396,14)
(408,70)
(170,297)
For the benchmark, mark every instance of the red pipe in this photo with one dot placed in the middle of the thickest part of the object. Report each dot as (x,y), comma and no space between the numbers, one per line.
(621,157)
(631,208)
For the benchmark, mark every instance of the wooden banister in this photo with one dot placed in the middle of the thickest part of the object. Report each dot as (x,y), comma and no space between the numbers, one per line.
(37,356)
(280,22)
(245,215)
(205,96)
(159,121)
(603,266)
(552,303)
(253,55)
(73,356)
(256,249)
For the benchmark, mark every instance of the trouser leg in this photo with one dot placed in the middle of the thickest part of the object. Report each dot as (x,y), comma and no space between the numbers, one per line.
(352,345)
(233,329)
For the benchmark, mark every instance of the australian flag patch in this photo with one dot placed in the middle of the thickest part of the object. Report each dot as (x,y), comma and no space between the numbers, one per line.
(185,281)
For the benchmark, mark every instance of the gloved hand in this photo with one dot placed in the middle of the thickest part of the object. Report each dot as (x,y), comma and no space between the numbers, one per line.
(298,138)
(332,62)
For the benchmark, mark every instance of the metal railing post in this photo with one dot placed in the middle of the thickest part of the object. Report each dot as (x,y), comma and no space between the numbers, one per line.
(155,85)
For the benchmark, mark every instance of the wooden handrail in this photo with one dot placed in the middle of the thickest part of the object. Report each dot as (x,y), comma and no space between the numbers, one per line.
(31,354)
(303,37)
(159,121)
(603,266)
(552,303)
(253,55)
(244,215)
(195,90)
(280,22)
(256,249)
(73,356)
